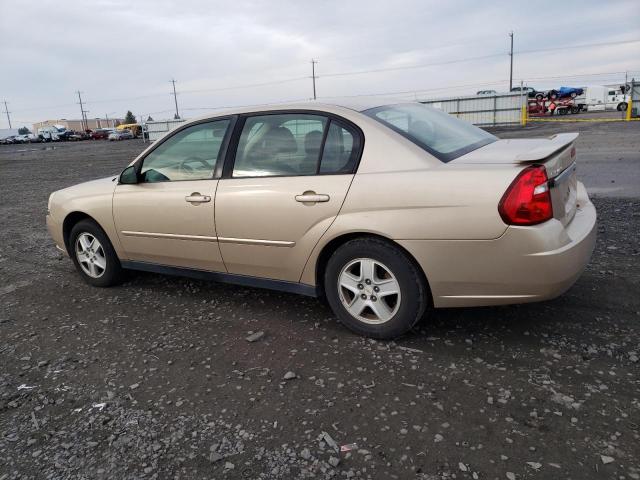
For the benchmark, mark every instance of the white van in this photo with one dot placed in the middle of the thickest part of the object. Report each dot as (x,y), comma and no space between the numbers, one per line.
(49,134)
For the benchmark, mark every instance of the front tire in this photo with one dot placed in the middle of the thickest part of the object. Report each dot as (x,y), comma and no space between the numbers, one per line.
(375,289)
(93,255)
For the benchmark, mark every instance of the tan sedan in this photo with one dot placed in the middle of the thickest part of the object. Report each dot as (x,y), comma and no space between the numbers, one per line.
(386,210)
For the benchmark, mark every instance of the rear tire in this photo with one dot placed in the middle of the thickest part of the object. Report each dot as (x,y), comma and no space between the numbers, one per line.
(93,255)
(622,107)
(375,289)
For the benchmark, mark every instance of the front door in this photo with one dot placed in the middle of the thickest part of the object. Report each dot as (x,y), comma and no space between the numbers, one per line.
(168,217)
(290,176)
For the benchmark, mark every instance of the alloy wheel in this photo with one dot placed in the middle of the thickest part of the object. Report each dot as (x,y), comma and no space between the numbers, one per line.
(90,255)
(369,291)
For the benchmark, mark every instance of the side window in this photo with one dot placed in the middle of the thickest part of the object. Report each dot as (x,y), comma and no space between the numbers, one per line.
(280,145)
(188,155)
(338,155)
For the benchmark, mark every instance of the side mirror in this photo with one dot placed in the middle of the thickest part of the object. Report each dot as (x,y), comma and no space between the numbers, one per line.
(129,176)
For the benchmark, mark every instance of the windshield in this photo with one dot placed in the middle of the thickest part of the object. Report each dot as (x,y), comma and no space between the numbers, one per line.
(439,133)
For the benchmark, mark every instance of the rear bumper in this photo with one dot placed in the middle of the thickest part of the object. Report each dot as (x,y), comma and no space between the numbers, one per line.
(526,264)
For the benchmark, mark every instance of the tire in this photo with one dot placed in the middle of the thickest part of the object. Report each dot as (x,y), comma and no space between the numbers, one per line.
(393,270)
(622,107)
(102,267)
(552,94)
(574,94)
(539,96)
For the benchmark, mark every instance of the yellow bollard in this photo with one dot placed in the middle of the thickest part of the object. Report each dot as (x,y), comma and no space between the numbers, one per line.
(628,117)
(523,116)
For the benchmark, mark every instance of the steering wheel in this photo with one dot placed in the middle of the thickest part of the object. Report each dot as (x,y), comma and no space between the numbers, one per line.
(187,169)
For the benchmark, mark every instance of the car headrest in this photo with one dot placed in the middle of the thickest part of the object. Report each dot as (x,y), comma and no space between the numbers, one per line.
(313,142)
(280,140)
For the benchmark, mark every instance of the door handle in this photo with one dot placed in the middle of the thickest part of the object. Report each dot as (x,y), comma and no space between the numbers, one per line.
(195,197)
(312,197)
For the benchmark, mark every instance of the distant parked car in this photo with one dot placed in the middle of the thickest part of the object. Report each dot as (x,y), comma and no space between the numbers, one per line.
(486,92)
(101,134)
(565,92)
(127,134)
(537,94)
(77,136)
(115,136)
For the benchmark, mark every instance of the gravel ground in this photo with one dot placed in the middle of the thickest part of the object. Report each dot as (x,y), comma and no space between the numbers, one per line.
(157,378)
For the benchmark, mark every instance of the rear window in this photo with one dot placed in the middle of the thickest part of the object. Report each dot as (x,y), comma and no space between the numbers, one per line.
(439,133)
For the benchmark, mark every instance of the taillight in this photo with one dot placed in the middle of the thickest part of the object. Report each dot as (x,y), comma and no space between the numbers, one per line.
(527,201)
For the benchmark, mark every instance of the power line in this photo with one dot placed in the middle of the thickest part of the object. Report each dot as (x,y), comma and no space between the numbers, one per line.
(585,45)
(6,110)
(410,67)
(470,59)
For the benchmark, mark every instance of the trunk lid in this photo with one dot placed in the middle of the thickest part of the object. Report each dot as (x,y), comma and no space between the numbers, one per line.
(558,155)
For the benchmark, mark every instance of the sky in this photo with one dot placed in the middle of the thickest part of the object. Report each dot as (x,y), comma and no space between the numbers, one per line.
(122,54)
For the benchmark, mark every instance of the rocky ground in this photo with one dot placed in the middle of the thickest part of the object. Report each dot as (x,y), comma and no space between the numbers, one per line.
(175,378)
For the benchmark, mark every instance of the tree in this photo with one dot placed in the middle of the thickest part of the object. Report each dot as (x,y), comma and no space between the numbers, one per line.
(149,119)
(129,117)
(23,131)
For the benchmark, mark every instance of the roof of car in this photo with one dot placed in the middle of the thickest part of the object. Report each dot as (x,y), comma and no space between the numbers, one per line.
(358,104)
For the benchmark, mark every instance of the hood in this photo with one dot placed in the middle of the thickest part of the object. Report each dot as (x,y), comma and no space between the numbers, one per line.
(518,150)
(91,188)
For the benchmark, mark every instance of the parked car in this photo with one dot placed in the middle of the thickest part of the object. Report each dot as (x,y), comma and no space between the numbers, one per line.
(386,210)
(486,92)
(565,92)
(9,140)
(77,136)
(26,138)
(114,135)
(537,94)
(126,134)
(101,133)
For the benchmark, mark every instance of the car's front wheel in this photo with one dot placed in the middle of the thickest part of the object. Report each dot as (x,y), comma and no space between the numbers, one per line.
(374,288)
(93,255)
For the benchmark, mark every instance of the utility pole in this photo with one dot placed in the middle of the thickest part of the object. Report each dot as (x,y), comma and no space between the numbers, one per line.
(511,66)
(6,110)
(106,116)
(175,98)
(313,76)
(85,125)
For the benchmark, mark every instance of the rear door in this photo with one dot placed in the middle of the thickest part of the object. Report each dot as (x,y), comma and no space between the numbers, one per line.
(282,190)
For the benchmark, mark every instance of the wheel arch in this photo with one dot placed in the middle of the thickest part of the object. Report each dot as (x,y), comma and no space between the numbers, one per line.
(72,219)
(330,247)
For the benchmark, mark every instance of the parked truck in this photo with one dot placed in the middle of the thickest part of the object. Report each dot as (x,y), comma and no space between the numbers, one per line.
(599,98)
(49,134)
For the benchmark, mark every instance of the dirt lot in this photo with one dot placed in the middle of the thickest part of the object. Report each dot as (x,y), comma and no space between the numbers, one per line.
(155,378)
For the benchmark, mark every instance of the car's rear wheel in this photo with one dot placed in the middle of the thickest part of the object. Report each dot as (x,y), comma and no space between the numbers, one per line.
(93,255)
(374,288)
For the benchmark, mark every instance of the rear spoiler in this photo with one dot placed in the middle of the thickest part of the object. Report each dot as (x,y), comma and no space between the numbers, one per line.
(554,143)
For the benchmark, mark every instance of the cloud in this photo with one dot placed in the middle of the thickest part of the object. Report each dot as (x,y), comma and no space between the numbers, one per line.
(122,54)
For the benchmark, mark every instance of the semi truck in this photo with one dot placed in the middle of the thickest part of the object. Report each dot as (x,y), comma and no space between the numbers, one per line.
(599,98)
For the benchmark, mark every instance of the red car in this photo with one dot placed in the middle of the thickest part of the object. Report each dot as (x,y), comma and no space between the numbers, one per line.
(100,134)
